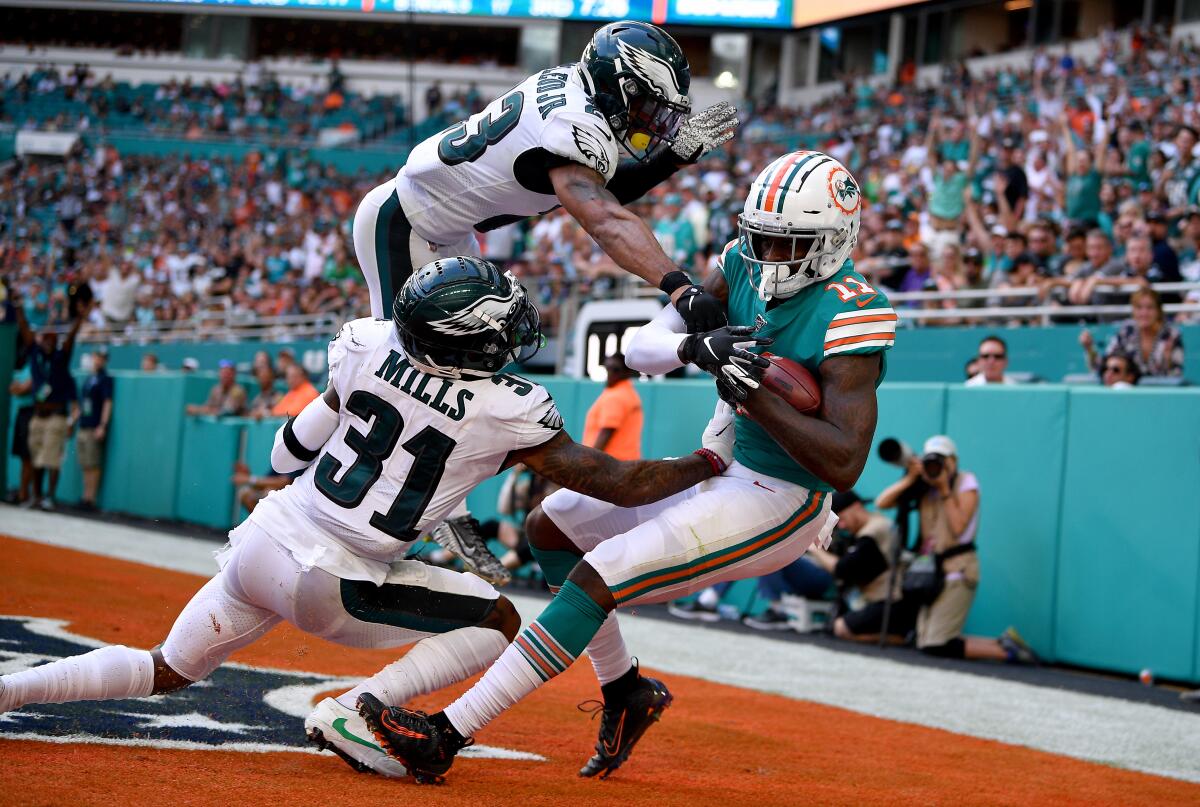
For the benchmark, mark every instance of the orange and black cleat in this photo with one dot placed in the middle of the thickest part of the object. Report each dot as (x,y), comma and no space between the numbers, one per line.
(425,744)
(623,723)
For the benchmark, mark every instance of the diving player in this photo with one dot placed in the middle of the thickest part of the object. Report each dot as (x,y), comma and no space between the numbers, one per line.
(415,415)
(788,277)
(557,138)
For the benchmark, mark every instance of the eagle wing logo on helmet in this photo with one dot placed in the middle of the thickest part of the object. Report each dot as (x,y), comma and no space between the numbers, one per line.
(844,190)
(592,149)
(488,313)
(653,70)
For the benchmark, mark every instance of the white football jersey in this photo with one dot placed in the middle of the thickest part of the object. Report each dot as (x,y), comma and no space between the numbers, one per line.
(491,169)
(407,449)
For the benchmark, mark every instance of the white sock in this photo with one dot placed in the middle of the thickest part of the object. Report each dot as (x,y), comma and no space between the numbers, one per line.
(433,663)
(610,658)
(110,673)
(507,681)
(709,598)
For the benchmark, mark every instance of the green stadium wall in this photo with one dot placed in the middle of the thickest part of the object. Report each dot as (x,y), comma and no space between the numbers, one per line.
(1089,536)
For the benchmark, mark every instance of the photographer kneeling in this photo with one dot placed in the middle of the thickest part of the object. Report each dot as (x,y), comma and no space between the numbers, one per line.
(942,581)
(865,565)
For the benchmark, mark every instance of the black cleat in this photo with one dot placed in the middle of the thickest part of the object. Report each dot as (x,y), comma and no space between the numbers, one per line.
(425,745)
(623,724)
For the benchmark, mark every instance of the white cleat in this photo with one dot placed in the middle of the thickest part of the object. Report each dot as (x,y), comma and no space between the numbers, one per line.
(337,728)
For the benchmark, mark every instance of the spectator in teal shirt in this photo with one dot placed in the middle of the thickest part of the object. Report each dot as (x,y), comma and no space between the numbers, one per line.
(1083,182)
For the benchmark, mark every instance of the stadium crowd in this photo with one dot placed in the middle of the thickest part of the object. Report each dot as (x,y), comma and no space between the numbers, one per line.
(1060,183)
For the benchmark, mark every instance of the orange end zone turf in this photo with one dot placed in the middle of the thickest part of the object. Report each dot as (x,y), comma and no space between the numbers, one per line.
(716,745)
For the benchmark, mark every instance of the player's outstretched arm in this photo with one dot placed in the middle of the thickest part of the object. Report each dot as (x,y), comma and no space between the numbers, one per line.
(300,439)
(654,349)
(833,444)
(628,241)
(625,484)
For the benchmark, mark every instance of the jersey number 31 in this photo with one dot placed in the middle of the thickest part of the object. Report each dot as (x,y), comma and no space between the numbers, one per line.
(429,447)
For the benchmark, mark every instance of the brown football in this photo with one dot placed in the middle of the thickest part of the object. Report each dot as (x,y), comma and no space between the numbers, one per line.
(792,382)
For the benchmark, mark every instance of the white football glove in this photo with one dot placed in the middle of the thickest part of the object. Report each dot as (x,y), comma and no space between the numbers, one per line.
(718,434)
(705,131)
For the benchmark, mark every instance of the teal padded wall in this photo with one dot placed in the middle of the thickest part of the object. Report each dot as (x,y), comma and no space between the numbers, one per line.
(1013,439)
(674,414)
(142,460)
(1129,549)
(908,412)
(208,449)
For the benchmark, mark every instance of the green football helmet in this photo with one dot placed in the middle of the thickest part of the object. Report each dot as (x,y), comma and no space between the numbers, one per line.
(638,78)
(463,318)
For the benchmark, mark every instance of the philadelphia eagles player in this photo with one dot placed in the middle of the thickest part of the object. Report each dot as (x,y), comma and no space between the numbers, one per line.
(556,139)
(788,277)
(415,415)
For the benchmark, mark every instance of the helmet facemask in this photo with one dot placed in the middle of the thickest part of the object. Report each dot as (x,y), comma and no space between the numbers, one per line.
(788,258)
(651,122)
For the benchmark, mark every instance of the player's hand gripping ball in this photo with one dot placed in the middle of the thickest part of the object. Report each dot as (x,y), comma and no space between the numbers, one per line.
(792,382)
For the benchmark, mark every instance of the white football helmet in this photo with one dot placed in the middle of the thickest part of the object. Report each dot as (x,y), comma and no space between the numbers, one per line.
(811,200)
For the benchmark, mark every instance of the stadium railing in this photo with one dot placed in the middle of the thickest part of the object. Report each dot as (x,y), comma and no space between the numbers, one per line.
(236,326)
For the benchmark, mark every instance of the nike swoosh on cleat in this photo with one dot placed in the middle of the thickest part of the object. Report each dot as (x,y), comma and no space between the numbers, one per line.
(616,737)
(339,726)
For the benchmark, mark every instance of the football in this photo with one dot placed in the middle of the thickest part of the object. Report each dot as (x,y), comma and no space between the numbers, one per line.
(792,382)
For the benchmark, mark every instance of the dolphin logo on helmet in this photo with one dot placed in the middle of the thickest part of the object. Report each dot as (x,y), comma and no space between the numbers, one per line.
(806,207)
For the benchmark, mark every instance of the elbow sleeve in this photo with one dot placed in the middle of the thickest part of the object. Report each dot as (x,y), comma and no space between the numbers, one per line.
(654,349)
(632,180)
(299,440)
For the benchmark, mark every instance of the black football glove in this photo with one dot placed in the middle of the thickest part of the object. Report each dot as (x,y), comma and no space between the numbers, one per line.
(723,353)
(701,311)
(732,394)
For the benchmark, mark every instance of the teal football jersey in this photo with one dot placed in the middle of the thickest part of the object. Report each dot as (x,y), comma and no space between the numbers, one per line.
(842,315)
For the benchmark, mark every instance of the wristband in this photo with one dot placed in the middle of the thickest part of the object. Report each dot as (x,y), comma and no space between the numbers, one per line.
(672,281)
(718,464)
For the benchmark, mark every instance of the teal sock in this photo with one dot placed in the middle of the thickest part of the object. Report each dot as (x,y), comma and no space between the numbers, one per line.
(556,564)
(561,632)
(540,652)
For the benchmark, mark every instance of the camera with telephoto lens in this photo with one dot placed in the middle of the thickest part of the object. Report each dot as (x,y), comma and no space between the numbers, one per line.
(898,453)
(933,464)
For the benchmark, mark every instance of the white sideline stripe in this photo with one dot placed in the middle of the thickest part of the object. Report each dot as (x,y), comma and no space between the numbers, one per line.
(1110,731)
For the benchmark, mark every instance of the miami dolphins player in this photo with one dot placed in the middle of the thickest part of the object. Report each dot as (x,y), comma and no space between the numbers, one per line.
(788,278)
(556,139)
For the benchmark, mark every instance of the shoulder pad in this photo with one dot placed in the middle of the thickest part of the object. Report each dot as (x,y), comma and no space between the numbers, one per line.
(583,138)
(860,317)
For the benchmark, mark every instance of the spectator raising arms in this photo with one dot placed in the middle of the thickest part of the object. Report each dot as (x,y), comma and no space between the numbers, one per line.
(1154,346)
